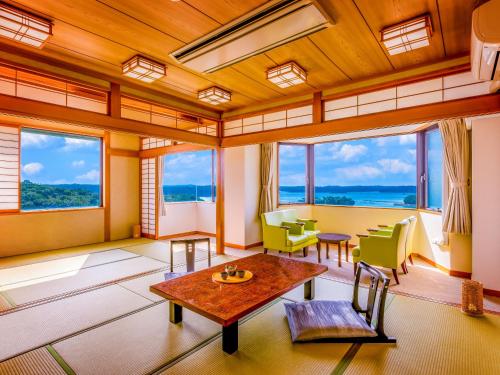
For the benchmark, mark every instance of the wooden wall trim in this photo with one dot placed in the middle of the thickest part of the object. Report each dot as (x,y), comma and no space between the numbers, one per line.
(477,105)
(123,152)
(462,274)
(32,108)
(183,147)
(243,247)
(107,188)
(491,292)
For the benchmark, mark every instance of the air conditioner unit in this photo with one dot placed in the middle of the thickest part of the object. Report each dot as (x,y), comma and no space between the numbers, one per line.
(269,26)
(485,42)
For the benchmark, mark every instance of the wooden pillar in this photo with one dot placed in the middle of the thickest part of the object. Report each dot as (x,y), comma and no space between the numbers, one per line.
(106,186)
(219,203)
(114,101)
(317,108)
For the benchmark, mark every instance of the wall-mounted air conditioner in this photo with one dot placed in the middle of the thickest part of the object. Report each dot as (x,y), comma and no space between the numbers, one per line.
(485,42)
(271,25)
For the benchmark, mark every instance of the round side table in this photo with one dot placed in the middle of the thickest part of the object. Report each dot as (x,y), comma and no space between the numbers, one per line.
(333,238)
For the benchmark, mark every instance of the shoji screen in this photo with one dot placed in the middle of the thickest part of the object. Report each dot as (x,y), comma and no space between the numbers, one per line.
(9,168)
(148,198)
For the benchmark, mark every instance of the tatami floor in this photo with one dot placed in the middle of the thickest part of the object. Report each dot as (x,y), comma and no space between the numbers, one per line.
(88,310)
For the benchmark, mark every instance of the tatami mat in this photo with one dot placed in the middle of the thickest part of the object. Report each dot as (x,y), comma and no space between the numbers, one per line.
(14,275)
(76,280)
(432,339)
(265,347)
(36,362)
(4,303)
(141,285)
(160,250)
(136,344)
(19,260)
(43,324)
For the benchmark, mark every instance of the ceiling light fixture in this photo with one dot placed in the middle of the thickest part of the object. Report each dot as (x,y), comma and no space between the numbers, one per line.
(286,75)
(143,69)
(214,95)
(407,36)
(24,27)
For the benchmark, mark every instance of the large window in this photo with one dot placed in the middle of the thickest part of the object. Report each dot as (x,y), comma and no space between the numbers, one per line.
(189,177)
(433,170)
(59,170)
(292,173)
(376,172)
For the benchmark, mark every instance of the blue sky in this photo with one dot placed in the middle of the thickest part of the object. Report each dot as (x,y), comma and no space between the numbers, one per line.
(58,159)
(375,161)
(188,168)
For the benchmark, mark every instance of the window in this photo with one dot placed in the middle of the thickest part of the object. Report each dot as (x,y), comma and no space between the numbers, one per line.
(189,177)
(433,170)
(59,170)
(376,172)
(292,173)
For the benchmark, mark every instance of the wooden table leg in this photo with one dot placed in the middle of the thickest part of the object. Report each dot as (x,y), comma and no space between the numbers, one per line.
(309,289)
(327,250)
(230,338)
(318,248)
(339,255)
(347,251)
(175,313)
(171,257)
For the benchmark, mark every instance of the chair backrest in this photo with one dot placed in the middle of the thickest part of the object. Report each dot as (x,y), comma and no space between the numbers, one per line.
(400,234)
(373,308)
(277,217)
(411,232)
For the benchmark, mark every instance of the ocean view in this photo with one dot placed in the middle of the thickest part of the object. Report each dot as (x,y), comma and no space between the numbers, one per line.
(366,196)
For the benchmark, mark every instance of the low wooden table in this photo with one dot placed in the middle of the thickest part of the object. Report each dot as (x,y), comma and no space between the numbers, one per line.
(333,238)
(227,303)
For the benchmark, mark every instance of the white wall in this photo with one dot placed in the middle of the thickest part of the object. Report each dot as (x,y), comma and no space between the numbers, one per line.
(486,202)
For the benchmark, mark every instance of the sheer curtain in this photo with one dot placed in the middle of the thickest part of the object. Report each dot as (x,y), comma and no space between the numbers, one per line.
(266,177)
(162,211)
(456,157)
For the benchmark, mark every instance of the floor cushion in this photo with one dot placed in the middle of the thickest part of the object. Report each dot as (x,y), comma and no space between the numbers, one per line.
(314,320)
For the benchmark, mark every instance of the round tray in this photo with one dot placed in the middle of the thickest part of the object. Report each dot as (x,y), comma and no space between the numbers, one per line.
(232,279)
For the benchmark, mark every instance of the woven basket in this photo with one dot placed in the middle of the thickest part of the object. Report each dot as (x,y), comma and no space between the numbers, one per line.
(472,298)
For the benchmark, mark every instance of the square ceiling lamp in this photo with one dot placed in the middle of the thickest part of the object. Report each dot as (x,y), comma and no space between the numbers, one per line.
(287,75)
(214,95)
(407,36)
(143,69)
(24,27)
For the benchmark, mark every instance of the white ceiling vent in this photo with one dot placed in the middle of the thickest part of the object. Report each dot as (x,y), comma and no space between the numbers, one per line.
(269,26)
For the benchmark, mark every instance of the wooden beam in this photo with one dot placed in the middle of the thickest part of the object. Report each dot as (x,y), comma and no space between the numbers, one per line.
(317,111)
(465,107)
(175,149)
(219,203)
(123,152)
(115,102)
(36,109)
(107,188)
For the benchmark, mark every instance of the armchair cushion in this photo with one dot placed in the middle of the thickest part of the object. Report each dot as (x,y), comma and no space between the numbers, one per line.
(294,240)
(295,228)
(314,320)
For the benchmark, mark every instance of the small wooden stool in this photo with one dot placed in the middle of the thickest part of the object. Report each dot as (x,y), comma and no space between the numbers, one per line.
(190,252)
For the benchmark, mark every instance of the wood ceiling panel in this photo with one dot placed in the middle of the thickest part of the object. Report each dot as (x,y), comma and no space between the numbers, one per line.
(224,11)
(321,71)
(178,18)
(456,21)
(350,43)
(390,12)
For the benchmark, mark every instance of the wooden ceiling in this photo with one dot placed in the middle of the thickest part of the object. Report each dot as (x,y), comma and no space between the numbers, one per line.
(100,34)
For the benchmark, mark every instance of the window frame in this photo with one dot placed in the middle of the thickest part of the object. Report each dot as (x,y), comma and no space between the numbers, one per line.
(309,174)
(101,167)
(423,169)
(213,187)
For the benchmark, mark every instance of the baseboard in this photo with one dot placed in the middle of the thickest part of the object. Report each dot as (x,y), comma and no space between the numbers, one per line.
(146,235)
(462,274)
(491,292)
(243,247)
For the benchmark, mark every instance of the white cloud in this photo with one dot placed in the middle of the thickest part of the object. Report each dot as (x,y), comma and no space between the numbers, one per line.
(381,141)
(78,163)
(395,166)
(32,168)
(91,176)
(407,139)
(413,152)
(71,144)
(297,179)
(33,139)
(361,172)
(348,152)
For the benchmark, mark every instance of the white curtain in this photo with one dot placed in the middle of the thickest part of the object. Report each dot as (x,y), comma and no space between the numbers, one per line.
(266,177)
(456,157)
(162,211)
